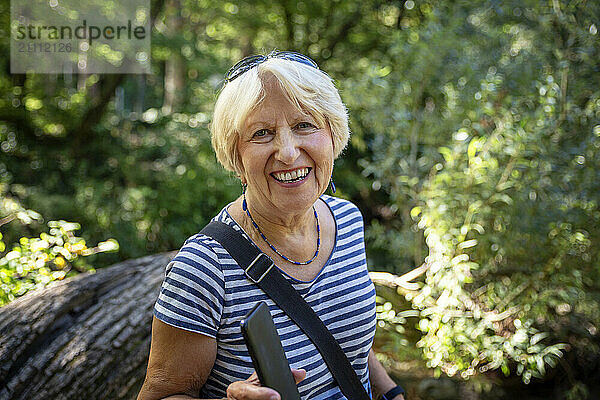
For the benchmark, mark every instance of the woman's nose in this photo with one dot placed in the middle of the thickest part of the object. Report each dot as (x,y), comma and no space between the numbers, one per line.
(286,147)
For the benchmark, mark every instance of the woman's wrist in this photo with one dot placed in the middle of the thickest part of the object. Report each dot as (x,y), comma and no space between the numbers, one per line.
(393,393)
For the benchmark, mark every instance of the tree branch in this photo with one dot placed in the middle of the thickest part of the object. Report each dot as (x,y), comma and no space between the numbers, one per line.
(81,131)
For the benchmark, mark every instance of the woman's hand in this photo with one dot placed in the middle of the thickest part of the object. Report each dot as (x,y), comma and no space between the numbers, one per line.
(250,389)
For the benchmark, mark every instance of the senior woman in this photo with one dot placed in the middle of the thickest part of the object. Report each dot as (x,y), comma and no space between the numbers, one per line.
(279,124)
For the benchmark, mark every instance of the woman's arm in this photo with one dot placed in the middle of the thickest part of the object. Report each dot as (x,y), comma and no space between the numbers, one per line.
(380,380)
(180,362)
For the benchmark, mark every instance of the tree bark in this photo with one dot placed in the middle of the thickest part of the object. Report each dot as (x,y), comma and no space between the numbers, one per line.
(84,338)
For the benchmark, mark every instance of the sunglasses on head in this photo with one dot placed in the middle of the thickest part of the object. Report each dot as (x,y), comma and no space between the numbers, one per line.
(252,61)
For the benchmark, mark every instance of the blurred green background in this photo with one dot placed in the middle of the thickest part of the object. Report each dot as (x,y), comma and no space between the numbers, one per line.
(474,158)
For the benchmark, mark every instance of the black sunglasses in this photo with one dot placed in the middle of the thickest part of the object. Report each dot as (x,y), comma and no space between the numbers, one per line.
(252,61)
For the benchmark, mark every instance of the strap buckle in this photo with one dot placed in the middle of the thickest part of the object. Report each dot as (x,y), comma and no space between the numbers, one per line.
(247,270)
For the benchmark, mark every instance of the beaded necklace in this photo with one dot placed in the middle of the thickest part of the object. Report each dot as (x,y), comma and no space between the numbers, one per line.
(255,225)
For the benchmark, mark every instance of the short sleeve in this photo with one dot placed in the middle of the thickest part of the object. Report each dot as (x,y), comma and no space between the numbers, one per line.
(192,294)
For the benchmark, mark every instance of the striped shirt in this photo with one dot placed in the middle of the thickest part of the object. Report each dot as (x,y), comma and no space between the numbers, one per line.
(205,291)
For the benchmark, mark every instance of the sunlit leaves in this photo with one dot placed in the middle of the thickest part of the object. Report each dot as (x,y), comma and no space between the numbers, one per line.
(501,139)
(36,262)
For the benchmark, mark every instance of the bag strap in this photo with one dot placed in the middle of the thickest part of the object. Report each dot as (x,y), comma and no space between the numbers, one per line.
(258,267)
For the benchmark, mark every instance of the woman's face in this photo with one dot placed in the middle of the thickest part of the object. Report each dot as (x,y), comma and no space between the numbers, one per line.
(286,156)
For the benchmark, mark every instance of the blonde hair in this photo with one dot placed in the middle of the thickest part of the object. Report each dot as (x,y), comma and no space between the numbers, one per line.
(310,89)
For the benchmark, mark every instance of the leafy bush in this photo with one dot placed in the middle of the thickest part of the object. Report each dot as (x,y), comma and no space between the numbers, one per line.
(36,262)
(488,153)
(33,263)
(510,246)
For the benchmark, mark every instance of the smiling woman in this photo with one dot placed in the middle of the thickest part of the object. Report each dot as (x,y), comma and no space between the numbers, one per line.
(279,124)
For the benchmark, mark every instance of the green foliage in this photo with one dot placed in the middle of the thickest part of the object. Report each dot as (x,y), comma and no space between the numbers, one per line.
(10,210)
(509,249)
(36,262)
(33,263)
(495,156)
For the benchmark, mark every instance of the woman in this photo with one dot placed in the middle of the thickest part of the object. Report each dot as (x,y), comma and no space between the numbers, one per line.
(278,123)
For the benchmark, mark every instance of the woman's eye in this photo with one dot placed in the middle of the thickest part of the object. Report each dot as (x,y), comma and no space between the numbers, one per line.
(305,125)
(260,133)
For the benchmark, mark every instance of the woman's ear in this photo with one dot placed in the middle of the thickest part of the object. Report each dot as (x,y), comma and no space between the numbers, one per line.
(331,132)
(241,173)
(239,166)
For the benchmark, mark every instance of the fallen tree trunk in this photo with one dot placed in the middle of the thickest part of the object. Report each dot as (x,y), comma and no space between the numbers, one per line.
(84,338)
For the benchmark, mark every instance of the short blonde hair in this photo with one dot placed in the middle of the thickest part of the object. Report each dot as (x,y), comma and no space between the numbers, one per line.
(310,89)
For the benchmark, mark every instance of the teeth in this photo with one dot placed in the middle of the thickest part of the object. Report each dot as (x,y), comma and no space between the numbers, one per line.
(294,175)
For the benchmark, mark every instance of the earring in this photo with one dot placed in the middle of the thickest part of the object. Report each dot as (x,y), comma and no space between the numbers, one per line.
(332,185)
(244,205)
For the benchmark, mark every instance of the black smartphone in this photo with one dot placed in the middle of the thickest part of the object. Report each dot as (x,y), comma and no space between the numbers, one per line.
(267,353)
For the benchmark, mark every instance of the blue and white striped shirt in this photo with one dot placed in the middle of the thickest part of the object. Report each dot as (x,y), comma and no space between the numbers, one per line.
(206,292)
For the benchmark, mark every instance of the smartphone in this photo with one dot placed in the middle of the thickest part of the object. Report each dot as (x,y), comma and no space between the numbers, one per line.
(267,353)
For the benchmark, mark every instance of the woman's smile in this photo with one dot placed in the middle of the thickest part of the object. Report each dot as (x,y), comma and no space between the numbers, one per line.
(293,177)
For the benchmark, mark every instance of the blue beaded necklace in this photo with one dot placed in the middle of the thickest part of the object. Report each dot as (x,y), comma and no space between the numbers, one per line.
(245,208)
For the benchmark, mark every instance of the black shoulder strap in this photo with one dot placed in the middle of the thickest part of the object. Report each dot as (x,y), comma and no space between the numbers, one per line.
(259,268)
